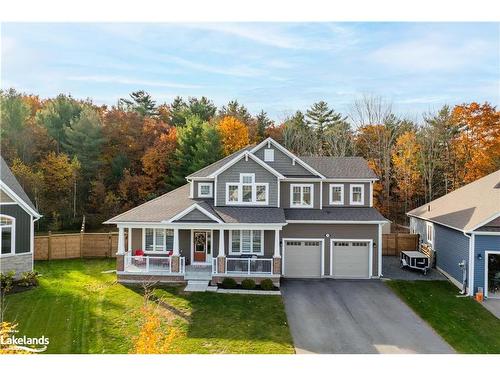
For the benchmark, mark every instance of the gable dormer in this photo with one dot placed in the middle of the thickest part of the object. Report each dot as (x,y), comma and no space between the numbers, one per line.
(282,160)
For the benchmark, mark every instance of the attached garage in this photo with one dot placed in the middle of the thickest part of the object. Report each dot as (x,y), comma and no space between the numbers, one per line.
(351,259)
(302,258)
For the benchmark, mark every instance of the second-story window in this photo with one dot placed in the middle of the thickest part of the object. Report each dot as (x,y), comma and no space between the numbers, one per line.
(247,191)
(357,194)
(205,190)
(337,194)
(301,195)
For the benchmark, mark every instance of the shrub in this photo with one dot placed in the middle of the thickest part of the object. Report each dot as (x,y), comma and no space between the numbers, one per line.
(248,284)
(29,279)
(267,284)
(229,283)
(6,281)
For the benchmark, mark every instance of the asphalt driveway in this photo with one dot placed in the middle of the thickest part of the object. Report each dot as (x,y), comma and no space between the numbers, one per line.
(354,316)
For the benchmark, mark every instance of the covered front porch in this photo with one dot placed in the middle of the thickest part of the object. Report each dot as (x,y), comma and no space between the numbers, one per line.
(184,250)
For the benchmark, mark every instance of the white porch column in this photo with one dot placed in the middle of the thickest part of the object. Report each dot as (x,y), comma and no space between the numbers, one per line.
(277,243)
(130,240)
(221,243)
(176,242)
(121,240)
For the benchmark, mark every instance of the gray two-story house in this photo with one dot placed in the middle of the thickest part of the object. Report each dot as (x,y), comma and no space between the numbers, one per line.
(17,231)
(261,212)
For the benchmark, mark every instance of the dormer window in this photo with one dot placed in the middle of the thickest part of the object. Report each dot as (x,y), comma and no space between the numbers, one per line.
(247,191)
(205,190)
(357,194)
(269,154)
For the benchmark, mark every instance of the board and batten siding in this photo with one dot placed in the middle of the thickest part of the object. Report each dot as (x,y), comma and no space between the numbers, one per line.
(232,174)
(341,231)
(283,163)
(285,193)
(347,193)
(481,245)
(23,226)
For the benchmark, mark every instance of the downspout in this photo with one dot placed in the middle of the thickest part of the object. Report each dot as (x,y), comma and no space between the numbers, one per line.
(470,277)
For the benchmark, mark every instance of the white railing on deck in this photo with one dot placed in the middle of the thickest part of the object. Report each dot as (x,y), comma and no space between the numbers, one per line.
(249,266)
(158,264)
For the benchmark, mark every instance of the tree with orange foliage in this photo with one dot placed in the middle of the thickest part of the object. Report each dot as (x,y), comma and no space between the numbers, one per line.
(478,144)
(234,134)
(406,168)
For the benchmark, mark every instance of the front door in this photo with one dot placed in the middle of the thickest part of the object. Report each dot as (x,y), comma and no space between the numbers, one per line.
(200,246)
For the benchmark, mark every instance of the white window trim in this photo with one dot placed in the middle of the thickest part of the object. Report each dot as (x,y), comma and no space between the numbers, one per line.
(429,226)
(12,236)
(302,205)
(154,241)
(351,201)
(210,190)
(231,252)
(331,201)
(254,185)
(269,154)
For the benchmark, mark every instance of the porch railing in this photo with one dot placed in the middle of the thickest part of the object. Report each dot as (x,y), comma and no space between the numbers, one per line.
(249,266)
(158,264)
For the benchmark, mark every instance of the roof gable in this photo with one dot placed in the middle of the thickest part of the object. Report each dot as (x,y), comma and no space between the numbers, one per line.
(283,162)
(13,189)
(194,213)
(246,156)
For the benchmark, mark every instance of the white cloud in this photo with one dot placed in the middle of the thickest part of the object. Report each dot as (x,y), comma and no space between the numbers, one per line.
(131,81)
(238,70)
(431,54)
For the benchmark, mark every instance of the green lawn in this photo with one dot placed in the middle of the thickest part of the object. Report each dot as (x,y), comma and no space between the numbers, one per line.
(82,310)
(466,325)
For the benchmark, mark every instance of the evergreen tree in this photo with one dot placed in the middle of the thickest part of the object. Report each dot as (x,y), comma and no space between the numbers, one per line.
(84,140)
(140,102)
(14,116)
(209,148)
(262,123)
(321,118)
(57,115)
(298,136)
(237,110)
(178,109)
(203,108)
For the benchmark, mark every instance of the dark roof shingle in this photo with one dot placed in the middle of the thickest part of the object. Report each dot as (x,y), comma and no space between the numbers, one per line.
(335,214)
(340,167)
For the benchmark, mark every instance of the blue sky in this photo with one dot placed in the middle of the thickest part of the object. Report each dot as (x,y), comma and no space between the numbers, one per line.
(278,67)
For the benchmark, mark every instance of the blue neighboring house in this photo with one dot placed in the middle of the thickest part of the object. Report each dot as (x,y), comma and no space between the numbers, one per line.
(464,226)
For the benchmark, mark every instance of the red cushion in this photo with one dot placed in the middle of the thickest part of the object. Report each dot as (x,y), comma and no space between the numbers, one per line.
(138,252)
(170,252)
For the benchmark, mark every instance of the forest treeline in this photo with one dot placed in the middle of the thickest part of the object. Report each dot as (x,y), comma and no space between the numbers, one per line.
(75,158)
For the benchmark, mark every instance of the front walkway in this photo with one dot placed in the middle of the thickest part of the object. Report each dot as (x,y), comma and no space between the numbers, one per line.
(493,305)
(392,270)
(354,316)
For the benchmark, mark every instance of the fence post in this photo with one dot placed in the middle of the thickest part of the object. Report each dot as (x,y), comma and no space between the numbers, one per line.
(396,244)
(65,247)
(49,247)
(81,244)
(110,244)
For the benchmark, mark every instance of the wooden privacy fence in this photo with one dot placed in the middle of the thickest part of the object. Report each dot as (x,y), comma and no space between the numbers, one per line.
(76,245)
(394,243)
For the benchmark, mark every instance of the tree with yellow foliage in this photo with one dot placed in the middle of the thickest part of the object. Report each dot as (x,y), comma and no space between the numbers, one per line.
(234,134)
(406,165)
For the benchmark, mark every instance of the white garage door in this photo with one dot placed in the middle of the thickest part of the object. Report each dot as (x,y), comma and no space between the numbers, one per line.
(351,259)
(302,258)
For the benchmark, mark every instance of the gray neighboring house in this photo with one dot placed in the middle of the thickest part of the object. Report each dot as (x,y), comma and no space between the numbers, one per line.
(464,226)
(261,212)
(17,217)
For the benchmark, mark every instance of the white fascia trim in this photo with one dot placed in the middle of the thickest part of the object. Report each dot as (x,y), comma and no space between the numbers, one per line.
(487,233)
(336,222)
(484,222)
(284,150)
(187,225)
(21,202)
(246,155)
(351,179)
(199,178)
(193,207)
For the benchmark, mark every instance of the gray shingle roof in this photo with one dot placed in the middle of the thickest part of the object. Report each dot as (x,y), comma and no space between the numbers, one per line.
(467,207)
(335,213)
(174,202)
(209,169)
(340,167)
(10,180)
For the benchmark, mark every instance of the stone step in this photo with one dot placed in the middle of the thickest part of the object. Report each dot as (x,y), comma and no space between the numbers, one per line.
(198,276)
(196,286)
